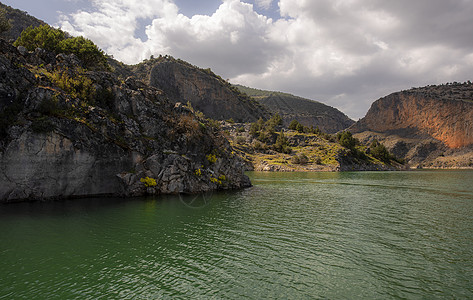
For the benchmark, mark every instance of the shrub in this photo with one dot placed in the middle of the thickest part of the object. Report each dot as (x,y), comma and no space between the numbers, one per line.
(293,124)
(198,172)
(257,145)
(275,120)
(241,129)
(213,123)
(189,126)
(281,144)
(78,86)
(56,40)
(85,50)
(44,37)
(379,151)
(148,181)
(346,139)
(211,158)
(4,22)
(300,159)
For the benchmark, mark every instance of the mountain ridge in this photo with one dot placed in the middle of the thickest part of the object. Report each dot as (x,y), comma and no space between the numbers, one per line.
(305,111)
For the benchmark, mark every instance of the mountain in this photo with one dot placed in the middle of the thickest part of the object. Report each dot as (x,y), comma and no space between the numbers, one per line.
(19,20)
(429,126)
(68,131)
(305,111)
(206,91)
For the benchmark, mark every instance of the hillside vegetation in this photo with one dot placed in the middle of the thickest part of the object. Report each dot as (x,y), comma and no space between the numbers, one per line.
(269,146)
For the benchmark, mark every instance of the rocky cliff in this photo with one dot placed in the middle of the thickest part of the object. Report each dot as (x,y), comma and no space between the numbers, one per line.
(305,111)
(67,132)
(422,124)
(207,92)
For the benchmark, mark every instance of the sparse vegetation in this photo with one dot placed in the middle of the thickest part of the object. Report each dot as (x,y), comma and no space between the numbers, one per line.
(281,144)
(4,22)
(211,158)
(148,181)
(380,152)
(56,40)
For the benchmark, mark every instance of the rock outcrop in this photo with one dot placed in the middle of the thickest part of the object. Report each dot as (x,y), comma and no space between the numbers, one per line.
(69,132)
(305,111)
(207,92)
(422,124)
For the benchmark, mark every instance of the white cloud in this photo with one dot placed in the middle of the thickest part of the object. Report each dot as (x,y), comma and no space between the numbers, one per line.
(265,4)
(346,53)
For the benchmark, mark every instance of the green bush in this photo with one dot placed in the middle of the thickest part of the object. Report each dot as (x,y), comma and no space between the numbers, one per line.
(211,158)
(281,144)
(380,152)
(78,86)
(148,181)
(300,159)
(347,140)
(4,22)
(56,40)
(293,125)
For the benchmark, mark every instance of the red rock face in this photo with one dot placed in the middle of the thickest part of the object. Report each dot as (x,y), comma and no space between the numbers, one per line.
(443,117)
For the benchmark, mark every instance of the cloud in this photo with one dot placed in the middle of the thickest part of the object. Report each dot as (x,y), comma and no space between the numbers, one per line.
(265,4)
(346,53)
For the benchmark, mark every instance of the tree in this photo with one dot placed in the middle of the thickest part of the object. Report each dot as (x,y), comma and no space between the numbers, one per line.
(346,140)
(281,144)
(379,151)
(293,125)
(44,37)
(85,50)
(4,22)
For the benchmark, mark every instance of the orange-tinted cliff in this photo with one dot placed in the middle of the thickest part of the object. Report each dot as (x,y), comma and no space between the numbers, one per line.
(444,112)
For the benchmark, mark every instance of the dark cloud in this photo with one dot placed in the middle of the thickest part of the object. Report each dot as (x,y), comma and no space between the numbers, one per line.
(344,53)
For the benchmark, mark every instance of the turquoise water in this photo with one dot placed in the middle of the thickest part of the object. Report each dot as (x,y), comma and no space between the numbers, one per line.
(291,236)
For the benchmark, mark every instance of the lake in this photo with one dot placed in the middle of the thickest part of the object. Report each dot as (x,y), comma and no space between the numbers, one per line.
(345,235)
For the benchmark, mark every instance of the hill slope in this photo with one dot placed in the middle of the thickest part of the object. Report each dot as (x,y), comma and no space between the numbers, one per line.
(19,20)
(423,124)
(207,92)
(305,111)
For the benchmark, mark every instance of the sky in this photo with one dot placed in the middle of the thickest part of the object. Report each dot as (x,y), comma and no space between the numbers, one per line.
(344,53)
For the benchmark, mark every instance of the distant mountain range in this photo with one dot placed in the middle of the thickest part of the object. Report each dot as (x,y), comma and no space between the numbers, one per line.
(305,111)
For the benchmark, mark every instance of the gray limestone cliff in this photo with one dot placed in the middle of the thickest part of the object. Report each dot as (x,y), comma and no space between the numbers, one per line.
(207,92)
(69,132)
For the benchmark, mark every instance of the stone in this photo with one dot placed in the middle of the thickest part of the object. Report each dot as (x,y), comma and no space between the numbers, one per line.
(23,51)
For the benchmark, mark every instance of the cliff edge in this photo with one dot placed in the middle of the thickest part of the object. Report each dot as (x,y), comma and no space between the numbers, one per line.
(423,124)
(67,131)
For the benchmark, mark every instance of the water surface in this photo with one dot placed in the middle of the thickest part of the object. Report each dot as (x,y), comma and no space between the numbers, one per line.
(293,235)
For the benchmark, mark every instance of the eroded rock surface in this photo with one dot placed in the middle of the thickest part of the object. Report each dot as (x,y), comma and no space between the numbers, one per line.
(422,124)
(56,142)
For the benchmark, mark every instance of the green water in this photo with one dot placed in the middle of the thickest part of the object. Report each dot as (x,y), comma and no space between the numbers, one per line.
(372,235)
